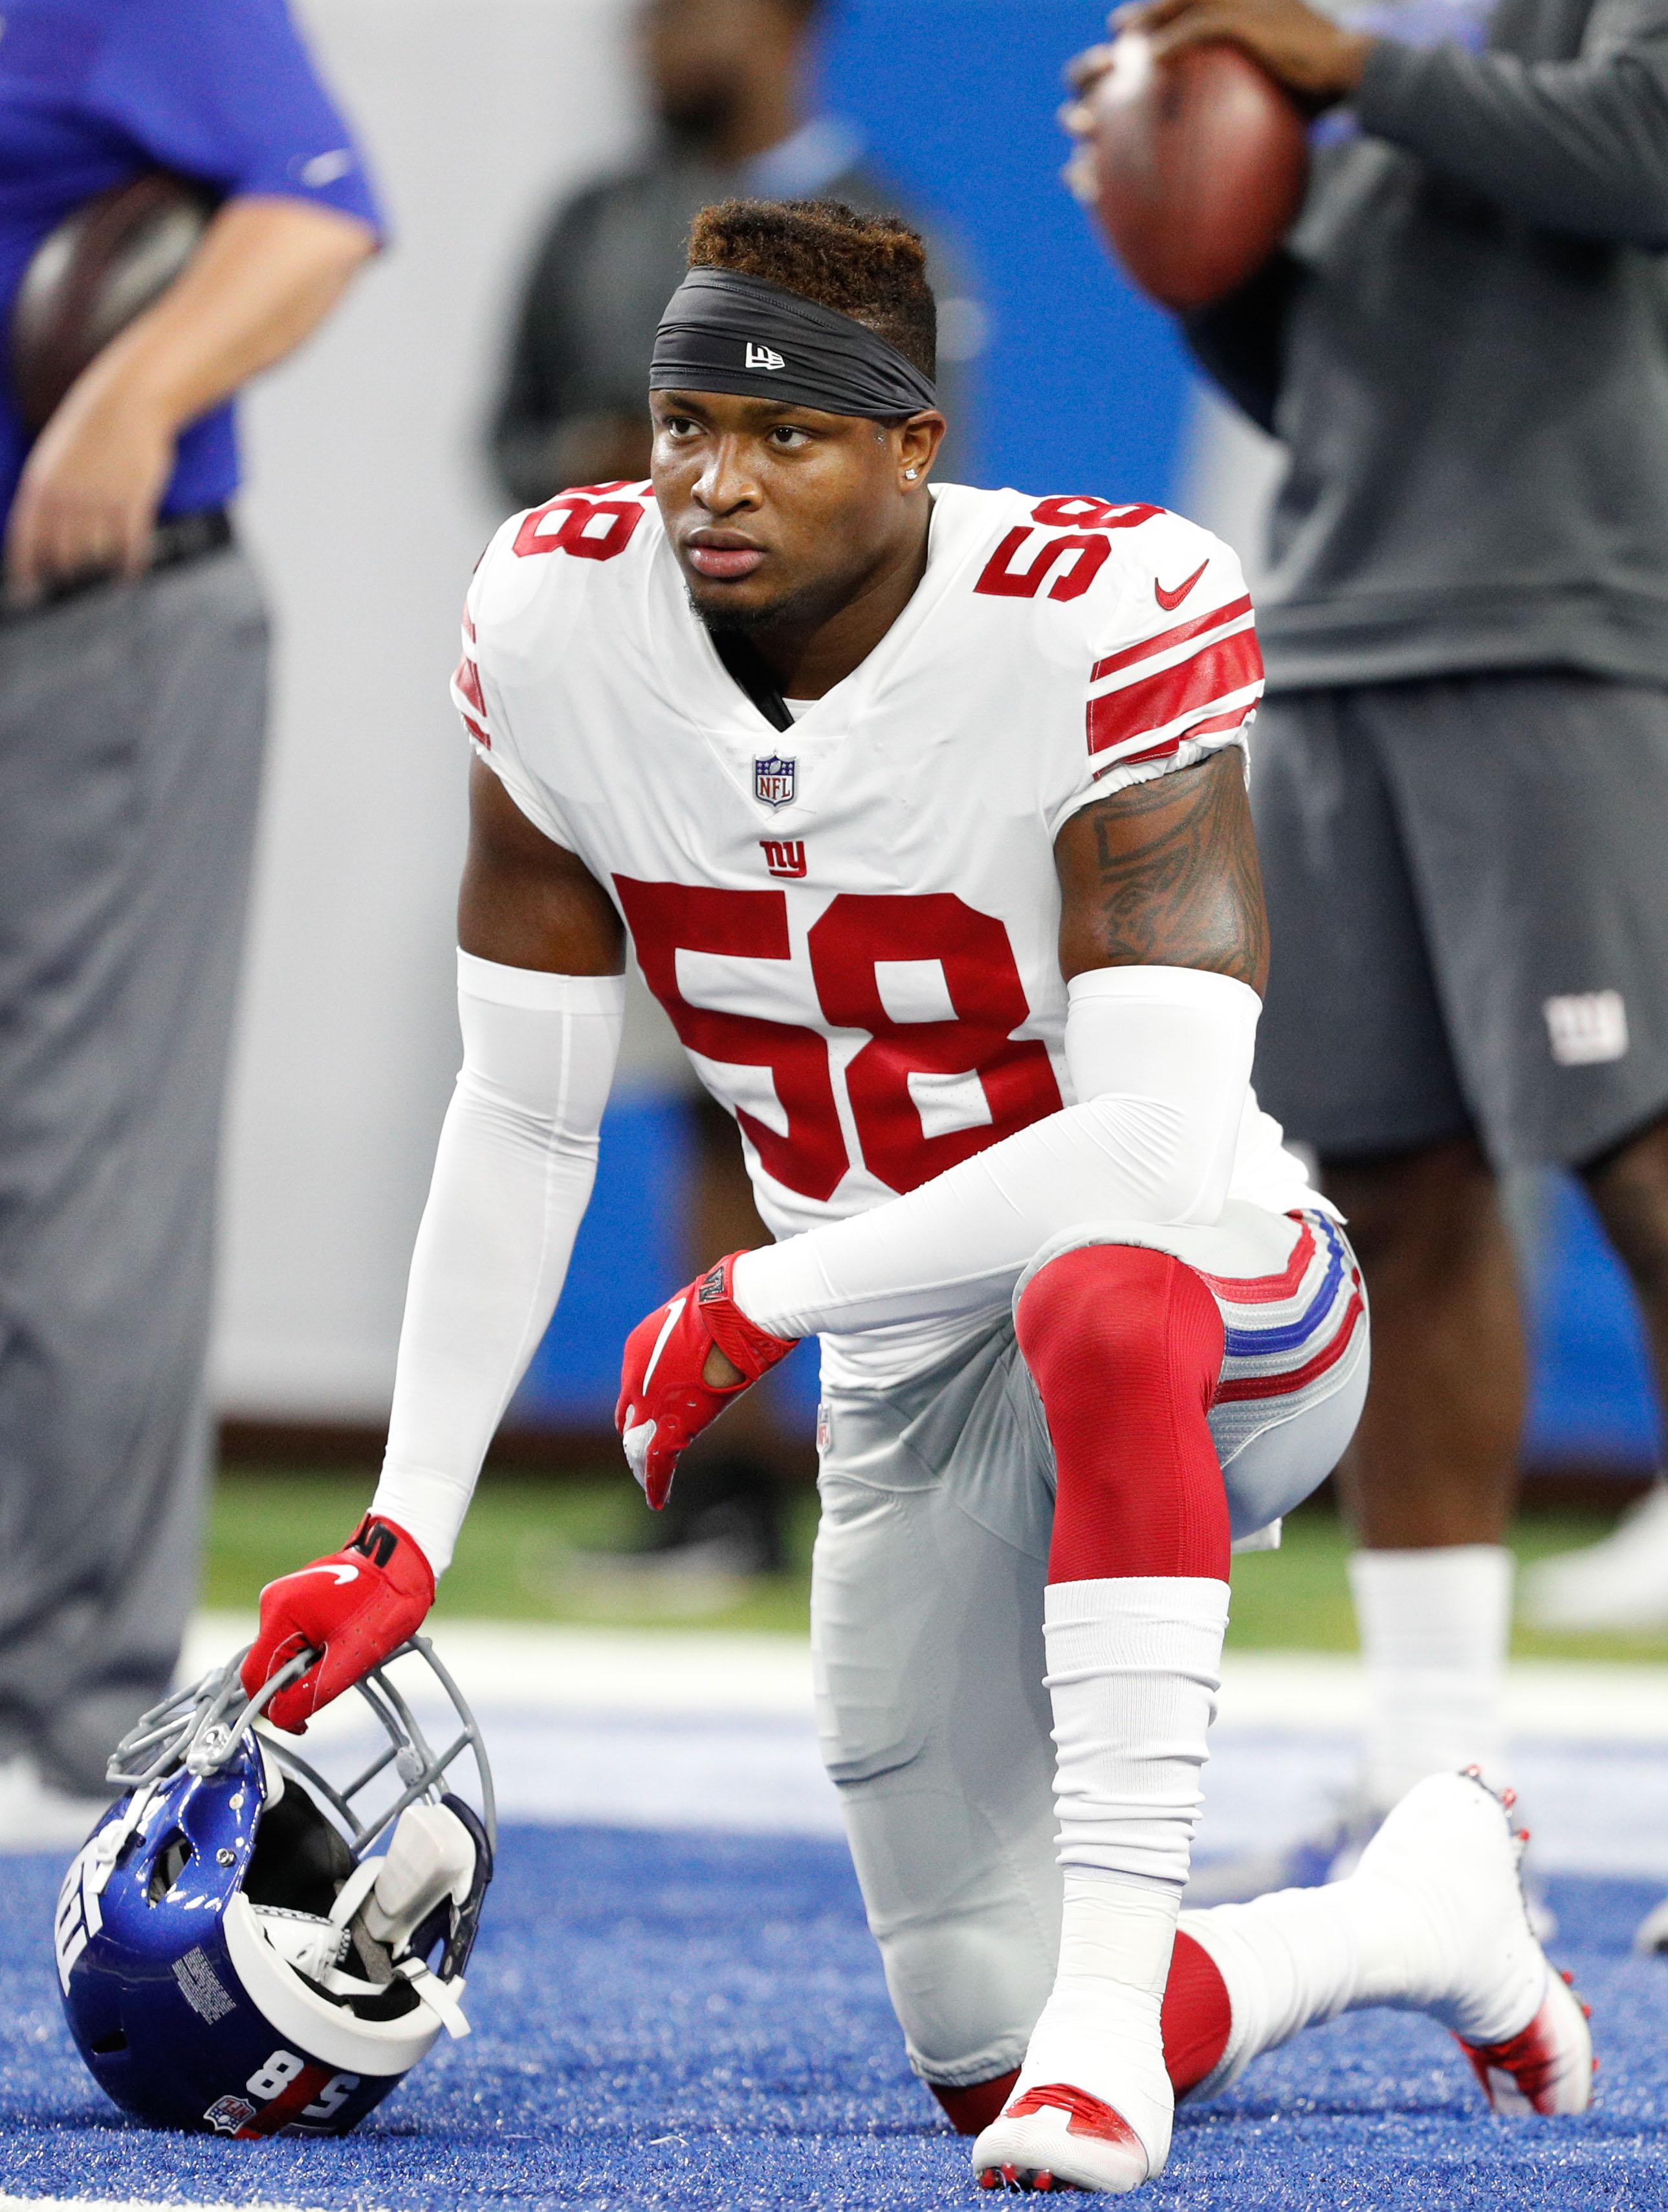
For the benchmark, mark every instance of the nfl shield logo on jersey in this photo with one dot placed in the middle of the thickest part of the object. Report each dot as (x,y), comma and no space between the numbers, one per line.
(773,782)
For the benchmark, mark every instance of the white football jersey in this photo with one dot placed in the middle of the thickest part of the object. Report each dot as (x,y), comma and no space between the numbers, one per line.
(852,923)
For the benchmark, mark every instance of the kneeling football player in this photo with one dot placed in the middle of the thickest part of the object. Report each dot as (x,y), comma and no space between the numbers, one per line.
(924,809)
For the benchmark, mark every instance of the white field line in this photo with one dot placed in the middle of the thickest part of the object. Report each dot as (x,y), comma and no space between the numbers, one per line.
(139,2205)
(669,1674)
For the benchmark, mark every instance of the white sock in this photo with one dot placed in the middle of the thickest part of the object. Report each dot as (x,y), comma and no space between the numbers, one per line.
(1299,1956)
(1100,2030)
(1135,1664)
(1434,1627)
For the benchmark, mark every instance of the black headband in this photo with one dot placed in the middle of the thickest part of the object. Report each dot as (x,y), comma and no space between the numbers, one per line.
(725,332)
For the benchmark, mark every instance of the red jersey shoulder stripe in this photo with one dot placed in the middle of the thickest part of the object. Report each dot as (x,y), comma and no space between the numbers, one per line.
(1233,719)
(1148,647)
(1201,681)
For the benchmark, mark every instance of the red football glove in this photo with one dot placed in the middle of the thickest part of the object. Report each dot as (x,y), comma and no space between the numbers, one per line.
(664,1403)
(353,1609)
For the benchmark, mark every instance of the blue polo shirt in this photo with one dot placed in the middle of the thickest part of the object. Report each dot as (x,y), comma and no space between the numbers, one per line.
(94,92)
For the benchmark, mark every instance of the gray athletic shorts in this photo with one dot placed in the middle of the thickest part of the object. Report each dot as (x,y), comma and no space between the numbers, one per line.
(1468,887)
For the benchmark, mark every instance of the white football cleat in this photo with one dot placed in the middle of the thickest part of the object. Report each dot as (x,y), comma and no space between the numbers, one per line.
(1053,2132)
(1054,2137)
(1450,1844)
(1619,1584)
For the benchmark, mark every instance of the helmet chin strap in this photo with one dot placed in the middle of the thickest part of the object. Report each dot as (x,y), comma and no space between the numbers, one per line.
(442,1999)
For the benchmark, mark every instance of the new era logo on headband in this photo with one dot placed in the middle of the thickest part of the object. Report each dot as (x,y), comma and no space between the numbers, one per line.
(722,331)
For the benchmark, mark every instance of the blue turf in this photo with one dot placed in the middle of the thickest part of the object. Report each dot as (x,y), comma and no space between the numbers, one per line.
(677,2021)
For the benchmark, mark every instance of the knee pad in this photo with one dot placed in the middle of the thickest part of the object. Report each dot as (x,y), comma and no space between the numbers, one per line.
(1125,1345)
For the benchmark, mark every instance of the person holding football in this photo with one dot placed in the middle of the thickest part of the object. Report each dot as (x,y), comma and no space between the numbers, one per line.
(924,809)
(1463,762)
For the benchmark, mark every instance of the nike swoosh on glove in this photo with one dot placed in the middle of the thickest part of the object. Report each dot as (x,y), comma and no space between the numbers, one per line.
(664,1404)
(352,1609)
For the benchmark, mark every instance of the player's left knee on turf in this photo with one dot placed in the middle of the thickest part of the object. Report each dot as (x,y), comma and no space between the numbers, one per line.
(1125,1345)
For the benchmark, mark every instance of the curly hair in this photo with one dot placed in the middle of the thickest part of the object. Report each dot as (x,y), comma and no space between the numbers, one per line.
(871,267)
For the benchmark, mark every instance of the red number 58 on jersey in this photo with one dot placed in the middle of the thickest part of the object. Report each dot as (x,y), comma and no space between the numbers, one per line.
(848,945)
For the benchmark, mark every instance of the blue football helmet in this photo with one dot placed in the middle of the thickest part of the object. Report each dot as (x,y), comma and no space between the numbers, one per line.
(233,1957)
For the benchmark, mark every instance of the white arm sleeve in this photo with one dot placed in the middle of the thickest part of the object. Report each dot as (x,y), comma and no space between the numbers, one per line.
(1160,1060)
(513,1175)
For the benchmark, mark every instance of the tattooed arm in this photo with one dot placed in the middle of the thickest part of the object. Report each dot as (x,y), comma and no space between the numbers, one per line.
(1166,875)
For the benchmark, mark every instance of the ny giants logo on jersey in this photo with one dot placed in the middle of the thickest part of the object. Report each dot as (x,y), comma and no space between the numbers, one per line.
(785,857)
(775,780)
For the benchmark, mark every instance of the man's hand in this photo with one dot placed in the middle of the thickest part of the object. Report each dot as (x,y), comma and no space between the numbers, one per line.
(682,1367)
(267,271)
(1318,62)
(352,1609)
(87,502)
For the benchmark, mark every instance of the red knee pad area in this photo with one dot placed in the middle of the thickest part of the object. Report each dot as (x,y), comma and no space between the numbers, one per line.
(1196,2019)
(1125,1347)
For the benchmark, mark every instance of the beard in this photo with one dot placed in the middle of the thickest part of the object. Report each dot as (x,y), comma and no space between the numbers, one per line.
(804,609)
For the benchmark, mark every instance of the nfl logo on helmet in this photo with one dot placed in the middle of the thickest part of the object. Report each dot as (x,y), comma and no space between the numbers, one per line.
(773,782)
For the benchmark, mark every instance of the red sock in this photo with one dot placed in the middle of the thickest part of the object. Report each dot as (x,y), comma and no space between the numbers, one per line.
(1197,2016)
(972,2109)
(1196,2019)
(1126,1348)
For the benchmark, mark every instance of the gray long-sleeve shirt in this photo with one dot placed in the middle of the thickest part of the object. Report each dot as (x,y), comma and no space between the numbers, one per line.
(1464,351)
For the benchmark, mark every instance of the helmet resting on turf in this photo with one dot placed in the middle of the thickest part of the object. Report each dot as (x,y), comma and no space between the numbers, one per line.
(232,1956)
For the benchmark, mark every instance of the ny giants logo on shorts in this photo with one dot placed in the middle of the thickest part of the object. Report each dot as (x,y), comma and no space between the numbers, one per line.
(775,780)
(1584,1028)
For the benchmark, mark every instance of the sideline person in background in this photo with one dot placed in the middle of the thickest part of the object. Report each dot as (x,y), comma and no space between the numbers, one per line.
(725,81)
(1461,771)
(132,673)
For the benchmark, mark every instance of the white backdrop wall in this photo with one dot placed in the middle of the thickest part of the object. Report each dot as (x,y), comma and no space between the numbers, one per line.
(368,504)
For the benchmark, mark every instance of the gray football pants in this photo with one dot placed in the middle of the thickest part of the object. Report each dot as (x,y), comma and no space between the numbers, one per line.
(927,1645)
(131,732)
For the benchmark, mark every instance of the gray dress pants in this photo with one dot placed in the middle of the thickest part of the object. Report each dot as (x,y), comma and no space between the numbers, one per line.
(131,733)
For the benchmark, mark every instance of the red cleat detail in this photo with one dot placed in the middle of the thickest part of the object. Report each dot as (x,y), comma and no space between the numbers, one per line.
(1533,2061)
(1086,2114)
(1508,1798)
(1566,1977)
(989,2178)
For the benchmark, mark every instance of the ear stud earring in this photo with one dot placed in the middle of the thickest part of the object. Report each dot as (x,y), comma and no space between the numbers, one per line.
(912,474)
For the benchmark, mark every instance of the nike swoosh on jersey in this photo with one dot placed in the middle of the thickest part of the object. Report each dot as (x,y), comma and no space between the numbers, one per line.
(1171,600)
(342,1574)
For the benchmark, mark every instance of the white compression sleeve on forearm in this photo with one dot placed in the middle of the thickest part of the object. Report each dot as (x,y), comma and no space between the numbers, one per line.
(513,1175)
(1160,1060)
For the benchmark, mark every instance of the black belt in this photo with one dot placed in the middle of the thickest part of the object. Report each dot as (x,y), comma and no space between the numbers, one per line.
(177,540)
(182,537)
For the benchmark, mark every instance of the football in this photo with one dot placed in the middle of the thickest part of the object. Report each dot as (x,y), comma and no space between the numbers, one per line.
(104,264)
(1196,167)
